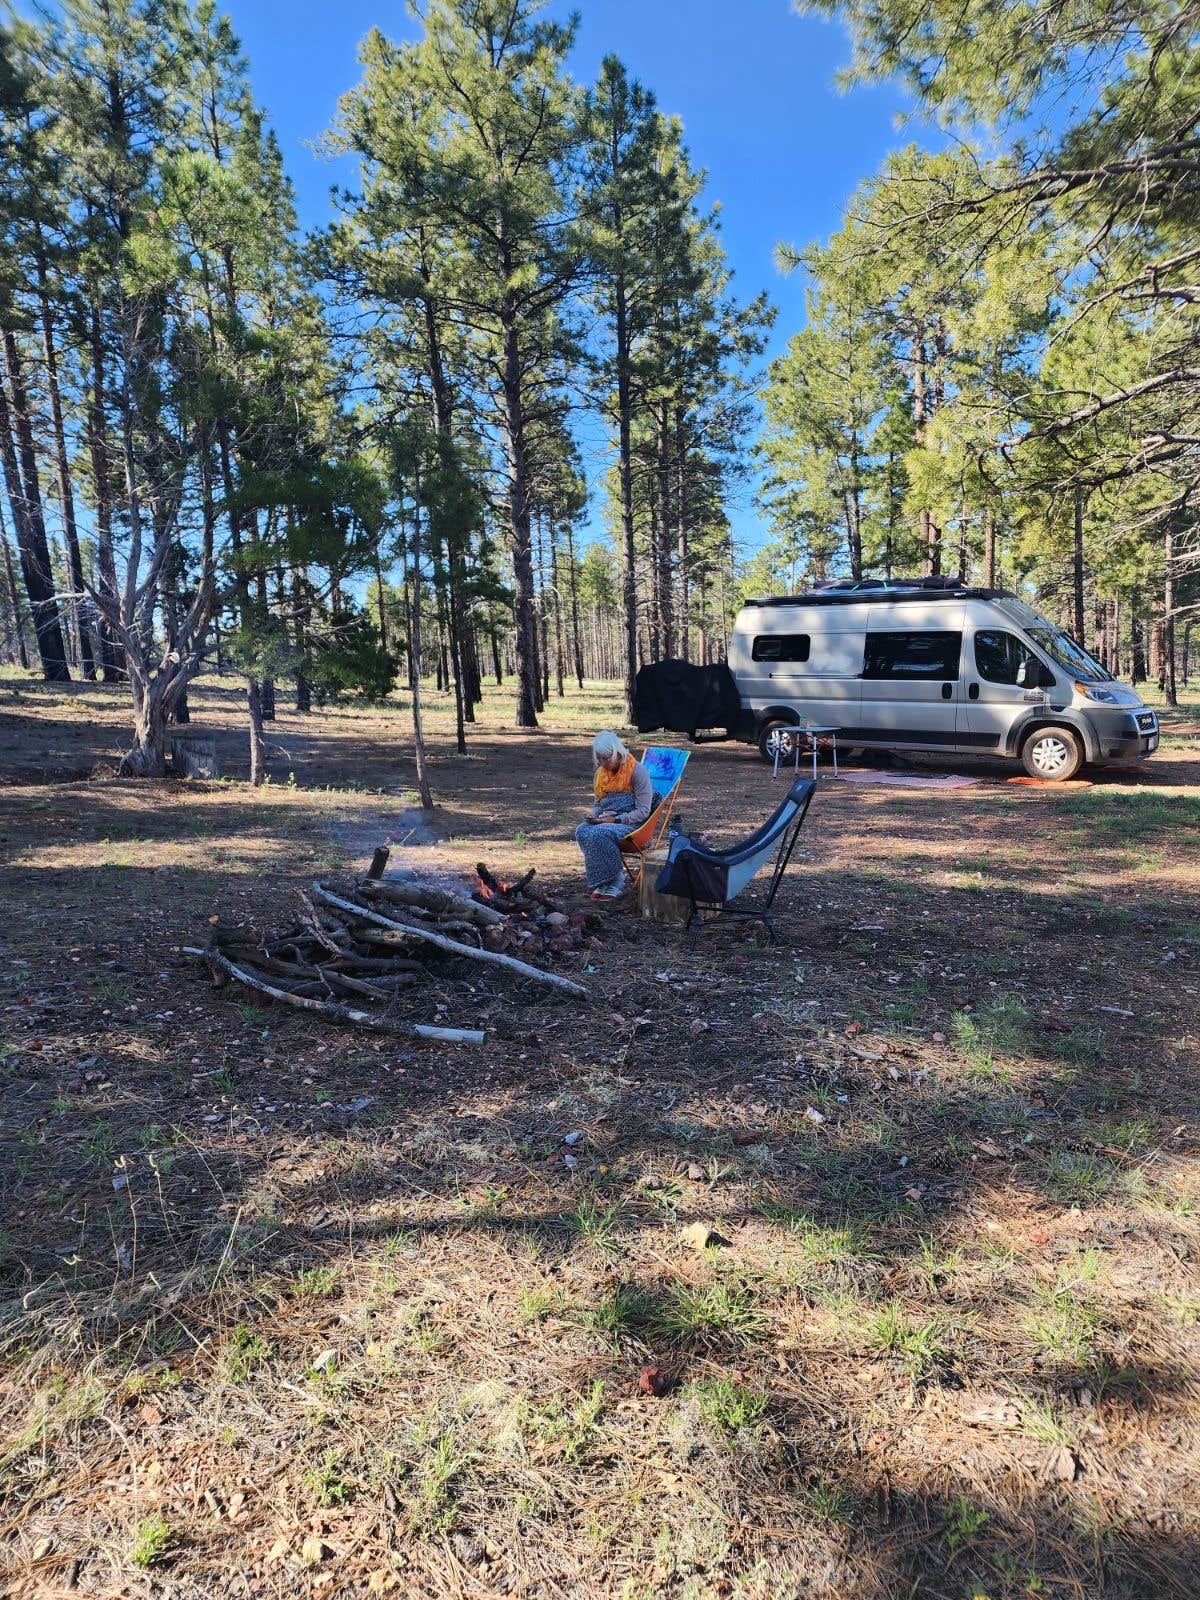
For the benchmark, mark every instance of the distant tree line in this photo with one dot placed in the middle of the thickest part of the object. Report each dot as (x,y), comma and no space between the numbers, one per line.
(352,456)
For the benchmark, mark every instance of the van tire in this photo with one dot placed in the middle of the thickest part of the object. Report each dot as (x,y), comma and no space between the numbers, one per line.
(782,734)
(1052,754)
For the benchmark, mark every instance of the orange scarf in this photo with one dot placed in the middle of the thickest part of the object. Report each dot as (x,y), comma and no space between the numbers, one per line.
(618,782)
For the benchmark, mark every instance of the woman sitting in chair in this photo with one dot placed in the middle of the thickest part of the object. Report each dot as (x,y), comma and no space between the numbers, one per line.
(624,799)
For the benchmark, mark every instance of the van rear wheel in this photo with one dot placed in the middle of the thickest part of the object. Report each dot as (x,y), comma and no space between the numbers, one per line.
(1053,754)
(777,738)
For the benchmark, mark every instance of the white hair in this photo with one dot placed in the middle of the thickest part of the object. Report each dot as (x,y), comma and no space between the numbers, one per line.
(606,745)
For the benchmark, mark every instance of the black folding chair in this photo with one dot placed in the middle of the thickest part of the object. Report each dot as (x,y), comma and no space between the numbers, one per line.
(711,879)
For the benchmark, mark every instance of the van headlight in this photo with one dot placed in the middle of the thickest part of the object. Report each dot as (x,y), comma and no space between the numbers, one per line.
(1091,691)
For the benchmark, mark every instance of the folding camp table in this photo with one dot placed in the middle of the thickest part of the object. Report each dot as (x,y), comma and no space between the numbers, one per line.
(813,732)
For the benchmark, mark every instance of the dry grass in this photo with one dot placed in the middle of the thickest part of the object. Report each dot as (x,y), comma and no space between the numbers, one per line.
(256,1339)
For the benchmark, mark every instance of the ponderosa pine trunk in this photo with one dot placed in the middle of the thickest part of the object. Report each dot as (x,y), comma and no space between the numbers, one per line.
(930,534)
(1077,568)
(519,522)
(14,597)
(1170,691)
(147,758)
(854,511)
(258,743)
(66,496)
(559,651)
(24,496)
(666,609)
(625,477)
(112,657)
(578,648)
(414,652)
(989,548)
(681,536)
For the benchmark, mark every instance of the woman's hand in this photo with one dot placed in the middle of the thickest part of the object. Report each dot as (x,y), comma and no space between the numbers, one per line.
(607,817)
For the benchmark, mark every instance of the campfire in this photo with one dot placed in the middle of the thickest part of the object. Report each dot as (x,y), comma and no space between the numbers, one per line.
(357,950)
(529,915)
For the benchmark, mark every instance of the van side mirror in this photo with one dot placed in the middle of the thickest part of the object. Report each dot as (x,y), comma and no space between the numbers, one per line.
(1034,674)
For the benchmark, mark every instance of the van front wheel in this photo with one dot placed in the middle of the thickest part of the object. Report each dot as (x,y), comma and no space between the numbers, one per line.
(1053,754)
(777,738)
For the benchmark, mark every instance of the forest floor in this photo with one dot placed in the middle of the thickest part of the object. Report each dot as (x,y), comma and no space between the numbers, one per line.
(904,1212)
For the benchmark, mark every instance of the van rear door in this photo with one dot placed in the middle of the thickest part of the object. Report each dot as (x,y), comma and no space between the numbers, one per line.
(912,676)
(805,658)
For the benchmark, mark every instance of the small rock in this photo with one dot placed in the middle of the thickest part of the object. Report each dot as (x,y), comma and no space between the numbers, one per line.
(572,1138)
(653,1380)
(312,1551)
(327,1358)
(811,1114)
(695,1172)
(939,1038)
(700,1235)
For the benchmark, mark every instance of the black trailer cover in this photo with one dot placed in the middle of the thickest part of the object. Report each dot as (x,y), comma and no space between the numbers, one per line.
(681,697)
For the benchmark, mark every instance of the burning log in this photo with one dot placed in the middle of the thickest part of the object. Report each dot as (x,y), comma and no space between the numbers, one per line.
(362,941)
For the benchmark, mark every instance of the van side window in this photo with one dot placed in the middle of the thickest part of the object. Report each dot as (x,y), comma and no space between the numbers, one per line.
(999,655)
(912,655)
(781,647)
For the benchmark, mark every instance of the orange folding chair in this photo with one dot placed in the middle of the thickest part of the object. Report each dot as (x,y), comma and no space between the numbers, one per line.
(665,767)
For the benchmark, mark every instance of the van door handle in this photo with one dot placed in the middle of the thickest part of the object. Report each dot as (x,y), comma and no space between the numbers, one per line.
(947,690)
(973,691)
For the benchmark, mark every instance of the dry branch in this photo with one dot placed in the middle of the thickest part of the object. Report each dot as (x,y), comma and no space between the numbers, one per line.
(331,1008)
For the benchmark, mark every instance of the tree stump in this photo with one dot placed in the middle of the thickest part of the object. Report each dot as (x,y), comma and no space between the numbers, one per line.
(194,755)
(667,908)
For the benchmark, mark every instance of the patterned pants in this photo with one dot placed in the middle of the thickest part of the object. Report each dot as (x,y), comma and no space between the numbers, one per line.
(601,857)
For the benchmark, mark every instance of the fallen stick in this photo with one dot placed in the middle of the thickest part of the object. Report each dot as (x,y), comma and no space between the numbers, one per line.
(332,1008)
(452,945)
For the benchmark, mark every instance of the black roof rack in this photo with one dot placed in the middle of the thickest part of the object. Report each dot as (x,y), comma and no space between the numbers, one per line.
(869,594)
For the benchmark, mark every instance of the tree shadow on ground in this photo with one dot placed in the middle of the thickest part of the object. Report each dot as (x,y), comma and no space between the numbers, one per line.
(1003,1221)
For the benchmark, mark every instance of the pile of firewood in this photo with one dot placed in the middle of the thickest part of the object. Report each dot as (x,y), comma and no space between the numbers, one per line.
(356,951)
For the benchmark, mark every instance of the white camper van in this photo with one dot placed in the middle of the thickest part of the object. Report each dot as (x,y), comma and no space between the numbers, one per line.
(921,668)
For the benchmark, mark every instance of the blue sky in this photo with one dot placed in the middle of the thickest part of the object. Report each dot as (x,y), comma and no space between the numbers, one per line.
(752,82)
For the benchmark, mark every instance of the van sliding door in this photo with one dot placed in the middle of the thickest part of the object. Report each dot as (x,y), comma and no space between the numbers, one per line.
(911,685)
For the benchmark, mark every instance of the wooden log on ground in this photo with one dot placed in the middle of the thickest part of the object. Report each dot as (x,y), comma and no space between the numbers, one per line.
(428,897)
(331,1008)
(492,957)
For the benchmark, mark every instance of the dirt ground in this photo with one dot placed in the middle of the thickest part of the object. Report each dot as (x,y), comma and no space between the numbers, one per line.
(902,1215)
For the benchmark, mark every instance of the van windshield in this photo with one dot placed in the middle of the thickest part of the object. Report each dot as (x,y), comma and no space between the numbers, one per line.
(1059,646)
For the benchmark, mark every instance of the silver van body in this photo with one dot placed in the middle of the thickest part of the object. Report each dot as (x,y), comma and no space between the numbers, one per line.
(968,671)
